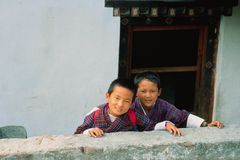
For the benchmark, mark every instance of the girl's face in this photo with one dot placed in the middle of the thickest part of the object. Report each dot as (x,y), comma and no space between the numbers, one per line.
(147,93)
(119,100)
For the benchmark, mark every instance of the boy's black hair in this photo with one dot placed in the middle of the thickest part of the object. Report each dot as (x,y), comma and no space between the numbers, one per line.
(122,82)
(151,76)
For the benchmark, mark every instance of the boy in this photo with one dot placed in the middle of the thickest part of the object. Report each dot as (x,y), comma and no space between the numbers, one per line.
(165,115)
(115,115)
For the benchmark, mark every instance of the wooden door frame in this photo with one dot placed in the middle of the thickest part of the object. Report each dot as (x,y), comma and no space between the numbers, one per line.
(207,44)
(200,53)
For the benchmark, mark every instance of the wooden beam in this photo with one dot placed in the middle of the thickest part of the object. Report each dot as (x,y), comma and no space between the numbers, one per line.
(166,69)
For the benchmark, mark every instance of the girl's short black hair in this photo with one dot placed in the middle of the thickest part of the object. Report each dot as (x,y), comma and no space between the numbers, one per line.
(122,82)
(148,75)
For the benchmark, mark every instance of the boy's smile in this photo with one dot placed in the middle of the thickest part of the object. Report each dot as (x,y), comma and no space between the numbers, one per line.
(119,101)
(147,93)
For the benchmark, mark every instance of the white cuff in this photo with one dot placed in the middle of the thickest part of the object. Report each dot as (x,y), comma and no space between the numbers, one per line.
(87,130)
(161,125)
(194,121)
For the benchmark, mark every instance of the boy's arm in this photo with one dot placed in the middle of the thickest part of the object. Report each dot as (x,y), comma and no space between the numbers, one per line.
(173,114)
(182,118)
(87,124)
(195,121)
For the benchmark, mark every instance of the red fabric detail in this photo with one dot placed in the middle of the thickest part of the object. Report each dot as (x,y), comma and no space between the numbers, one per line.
(132,116)
(96,115)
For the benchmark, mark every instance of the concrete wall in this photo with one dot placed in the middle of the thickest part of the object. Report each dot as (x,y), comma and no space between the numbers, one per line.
(57,58)
(227,99)
(197,143)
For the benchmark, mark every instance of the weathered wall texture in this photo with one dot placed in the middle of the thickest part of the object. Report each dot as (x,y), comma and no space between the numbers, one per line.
(199,143)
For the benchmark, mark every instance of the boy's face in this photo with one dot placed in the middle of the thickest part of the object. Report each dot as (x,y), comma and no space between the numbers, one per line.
(147,93)
(119,100)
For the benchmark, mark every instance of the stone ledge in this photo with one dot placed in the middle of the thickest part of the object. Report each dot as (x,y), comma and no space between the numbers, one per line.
(197,143)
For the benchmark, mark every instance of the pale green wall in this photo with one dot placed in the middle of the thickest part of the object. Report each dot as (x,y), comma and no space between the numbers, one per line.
(227,95)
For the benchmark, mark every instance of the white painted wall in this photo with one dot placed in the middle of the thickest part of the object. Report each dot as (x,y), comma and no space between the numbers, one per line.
(57,59)
(227,99)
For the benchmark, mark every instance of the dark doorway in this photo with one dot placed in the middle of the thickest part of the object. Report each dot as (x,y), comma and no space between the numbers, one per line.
(174,53)
(164,48)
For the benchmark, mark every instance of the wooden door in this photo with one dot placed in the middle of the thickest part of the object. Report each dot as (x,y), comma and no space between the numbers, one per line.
(182,50)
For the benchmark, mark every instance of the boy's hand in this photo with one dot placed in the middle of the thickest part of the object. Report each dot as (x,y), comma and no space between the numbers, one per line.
(216,123)
(95,132)
(173,129)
